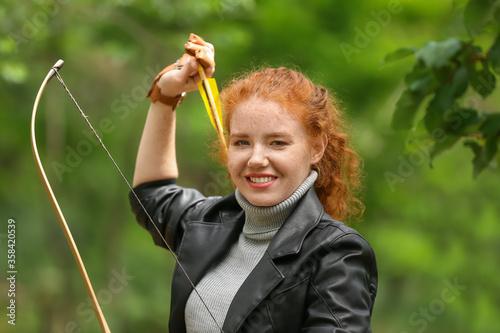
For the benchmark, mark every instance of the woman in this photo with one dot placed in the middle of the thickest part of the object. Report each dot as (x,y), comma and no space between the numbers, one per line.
(268,257)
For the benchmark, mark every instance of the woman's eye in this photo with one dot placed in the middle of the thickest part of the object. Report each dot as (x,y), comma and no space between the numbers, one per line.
(241,143)
(278,143)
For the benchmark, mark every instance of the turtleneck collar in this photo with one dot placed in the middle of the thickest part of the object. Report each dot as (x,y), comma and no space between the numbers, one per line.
(262,222)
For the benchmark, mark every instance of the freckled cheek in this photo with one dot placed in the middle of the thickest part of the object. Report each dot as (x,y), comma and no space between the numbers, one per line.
(234,164)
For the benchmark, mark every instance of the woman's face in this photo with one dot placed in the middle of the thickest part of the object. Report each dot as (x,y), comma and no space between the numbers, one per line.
(269,153)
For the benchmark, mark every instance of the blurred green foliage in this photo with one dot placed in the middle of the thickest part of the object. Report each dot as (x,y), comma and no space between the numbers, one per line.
(442,74)
(435,230)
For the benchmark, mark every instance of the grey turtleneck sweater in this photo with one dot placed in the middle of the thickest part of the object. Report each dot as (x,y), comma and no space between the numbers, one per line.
(220,284)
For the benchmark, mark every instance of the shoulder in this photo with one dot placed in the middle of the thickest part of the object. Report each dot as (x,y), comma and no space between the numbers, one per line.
(343,276)
(330,232)
(173,208)
(167,194)
(335,230)
(333,242)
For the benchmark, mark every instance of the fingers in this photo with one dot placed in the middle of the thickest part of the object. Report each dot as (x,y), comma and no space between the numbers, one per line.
(211,46)
(175,82)
(193,68)
(191,74)
(210,71)
(190,69)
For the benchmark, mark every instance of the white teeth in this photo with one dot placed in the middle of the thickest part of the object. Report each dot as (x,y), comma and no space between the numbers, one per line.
(261,179)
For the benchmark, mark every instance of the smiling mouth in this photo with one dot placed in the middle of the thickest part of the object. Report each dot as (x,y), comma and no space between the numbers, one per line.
(261,180)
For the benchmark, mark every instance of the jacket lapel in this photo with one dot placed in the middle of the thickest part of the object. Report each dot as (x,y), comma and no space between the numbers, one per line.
(267,275)
(263,279)
(304,218)
(203,244)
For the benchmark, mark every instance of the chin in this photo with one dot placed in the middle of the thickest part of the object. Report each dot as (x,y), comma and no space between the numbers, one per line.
(259,201)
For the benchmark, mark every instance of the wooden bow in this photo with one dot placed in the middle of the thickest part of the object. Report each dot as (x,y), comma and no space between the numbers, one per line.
(57,209)
(97,309)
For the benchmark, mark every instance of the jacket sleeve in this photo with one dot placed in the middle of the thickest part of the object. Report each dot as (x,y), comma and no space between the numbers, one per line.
(343,288)
(169,206)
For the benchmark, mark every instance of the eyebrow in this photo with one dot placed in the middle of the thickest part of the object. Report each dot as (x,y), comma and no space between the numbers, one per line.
(270,135)
(238,135)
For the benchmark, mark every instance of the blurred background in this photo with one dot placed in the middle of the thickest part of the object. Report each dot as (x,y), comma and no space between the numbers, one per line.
(435,230)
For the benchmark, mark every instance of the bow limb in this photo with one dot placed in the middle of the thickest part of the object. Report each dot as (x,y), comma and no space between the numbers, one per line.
(102,322)
(57,209)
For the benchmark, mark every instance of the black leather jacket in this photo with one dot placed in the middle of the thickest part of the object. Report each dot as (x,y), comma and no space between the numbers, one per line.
(317,275)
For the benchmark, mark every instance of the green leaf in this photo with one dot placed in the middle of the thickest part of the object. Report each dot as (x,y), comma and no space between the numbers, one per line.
(483,154)
(490,148)
(418,139)
(485,150)
(477,13)
(445,74)
(406,108)
(425,84)
(460,82)
(468,54)
(437,54)
(422,79)
(462,121)
(483,81)
(445,142)
(434,117)
(493,56)
(447,94)
(419,70)
(398,55)
(444,99)
(491,125)
(459,121)
(477,149)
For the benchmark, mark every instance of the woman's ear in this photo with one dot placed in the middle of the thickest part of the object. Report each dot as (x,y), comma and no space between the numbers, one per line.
(319,146)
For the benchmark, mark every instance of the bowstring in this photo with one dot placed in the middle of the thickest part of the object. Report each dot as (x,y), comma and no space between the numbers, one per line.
(137,198)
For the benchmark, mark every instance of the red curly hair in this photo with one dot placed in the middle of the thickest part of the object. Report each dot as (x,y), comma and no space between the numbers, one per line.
(339,170)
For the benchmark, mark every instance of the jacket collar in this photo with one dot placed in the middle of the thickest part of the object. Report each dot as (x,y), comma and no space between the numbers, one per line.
(211,239)
(304,218)
(290,237)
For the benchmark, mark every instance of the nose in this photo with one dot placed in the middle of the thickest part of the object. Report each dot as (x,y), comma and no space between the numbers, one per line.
(258,159)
